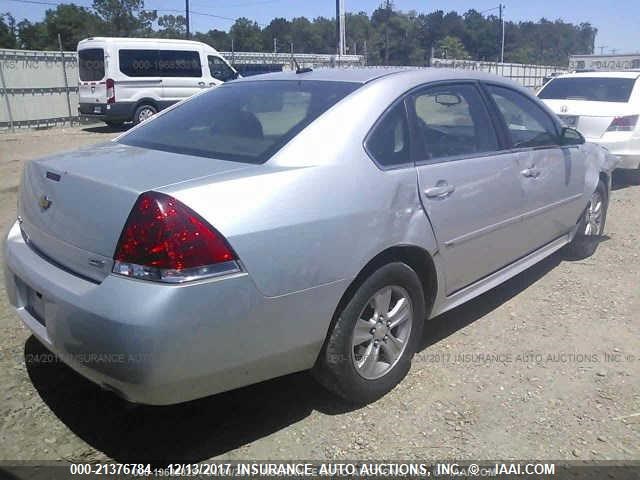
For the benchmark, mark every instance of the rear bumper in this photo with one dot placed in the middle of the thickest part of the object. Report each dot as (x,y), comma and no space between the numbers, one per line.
(626,149)
(162,344)
(114,112)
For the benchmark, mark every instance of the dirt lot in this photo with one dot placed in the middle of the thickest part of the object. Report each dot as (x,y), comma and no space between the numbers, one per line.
(546,366)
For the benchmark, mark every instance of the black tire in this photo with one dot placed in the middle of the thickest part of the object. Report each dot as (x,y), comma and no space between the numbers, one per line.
(585,244)
(335,367)
(114,124)
(141,113)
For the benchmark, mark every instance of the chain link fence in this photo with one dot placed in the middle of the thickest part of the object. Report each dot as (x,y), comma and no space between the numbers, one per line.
(527,75)
(40,88)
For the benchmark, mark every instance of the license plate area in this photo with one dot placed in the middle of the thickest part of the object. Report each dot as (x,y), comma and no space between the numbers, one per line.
(569,120)
(97,109)
(35,305)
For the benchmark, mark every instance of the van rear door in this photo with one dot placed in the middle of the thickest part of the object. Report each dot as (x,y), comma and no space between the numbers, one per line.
(92,88)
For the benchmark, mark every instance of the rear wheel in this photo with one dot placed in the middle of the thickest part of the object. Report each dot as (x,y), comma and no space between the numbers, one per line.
(374,338)
(144,112)
(591,225)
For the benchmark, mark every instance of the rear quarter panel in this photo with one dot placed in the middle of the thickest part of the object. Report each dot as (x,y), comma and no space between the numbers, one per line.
(319,210)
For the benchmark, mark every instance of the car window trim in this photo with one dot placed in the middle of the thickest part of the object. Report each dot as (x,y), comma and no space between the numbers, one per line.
(503,122)
(451,158)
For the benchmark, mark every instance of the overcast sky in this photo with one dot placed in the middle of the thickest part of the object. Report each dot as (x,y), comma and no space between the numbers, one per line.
(616,20)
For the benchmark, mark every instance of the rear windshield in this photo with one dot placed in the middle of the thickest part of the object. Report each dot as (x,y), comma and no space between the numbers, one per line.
(240,121)
(91,64)
(595,89)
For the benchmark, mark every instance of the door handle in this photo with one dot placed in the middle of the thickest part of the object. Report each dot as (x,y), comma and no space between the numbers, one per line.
(440,191)
(531,172)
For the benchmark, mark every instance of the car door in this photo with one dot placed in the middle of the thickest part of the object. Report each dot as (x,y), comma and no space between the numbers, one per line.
(181,73)
(139,75)
(469,188)
(552,176)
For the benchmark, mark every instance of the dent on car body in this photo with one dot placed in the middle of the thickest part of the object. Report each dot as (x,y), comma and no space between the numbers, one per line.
(598,159)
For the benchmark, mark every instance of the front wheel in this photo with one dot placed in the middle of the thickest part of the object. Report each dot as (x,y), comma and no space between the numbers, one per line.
(369,350)
(144,112)
(591,225)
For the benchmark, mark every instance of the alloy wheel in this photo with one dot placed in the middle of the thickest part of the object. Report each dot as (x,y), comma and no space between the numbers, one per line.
(382,332)
(145,114)
(594,215)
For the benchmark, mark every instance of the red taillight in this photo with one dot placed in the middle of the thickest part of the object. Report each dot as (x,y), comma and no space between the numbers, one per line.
(623,124)
(111,91)
(165,240)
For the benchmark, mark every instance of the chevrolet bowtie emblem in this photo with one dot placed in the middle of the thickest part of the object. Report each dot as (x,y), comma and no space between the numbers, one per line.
(44,202)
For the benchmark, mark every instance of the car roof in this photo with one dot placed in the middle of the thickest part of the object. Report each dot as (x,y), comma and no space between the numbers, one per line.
(622,74)
(401,75)
(145,41)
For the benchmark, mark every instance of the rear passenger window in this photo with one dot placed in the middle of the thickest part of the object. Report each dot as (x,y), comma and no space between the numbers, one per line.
(160,63)
(388,142)
(452,121)
(527,122)
(179,63)
(139,63)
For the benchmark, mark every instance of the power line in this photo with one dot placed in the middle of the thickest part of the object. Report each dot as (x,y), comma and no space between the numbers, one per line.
(244,4)
(36,2)
(204,14)
(488,10)
(170,10)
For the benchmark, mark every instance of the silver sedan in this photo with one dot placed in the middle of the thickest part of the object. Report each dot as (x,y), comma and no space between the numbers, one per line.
(293,221)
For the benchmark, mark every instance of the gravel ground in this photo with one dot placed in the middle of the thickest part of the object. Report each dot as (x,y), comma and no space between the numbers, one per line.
(545,366)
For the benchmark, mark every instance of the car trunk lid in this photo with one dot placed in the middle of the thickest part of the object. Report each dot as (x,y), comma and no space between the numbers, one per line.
(591,118)
(73,206)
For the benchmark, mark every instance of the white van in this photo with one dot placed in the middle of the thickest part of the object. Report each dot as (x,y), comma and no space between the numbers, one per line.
(130,79)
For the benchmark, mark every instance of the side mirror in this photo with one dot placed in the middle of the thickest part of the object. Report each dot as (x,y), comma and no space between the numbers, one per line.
(571,136)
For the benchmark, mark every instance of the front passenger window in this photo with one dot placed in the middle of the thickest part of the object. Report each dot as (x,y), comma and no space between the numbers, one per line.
(388,143)
(220,70)
(528,124)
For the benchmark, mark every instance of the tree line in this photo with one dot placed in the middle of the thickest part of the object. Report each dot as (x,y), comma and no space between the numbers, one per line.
(387,37)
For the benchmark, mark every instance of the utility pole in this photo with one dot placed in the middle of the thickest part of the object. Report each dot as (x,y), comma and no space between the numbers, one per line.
(186,10)
(501,7)
(275,45)
(388,8)
(340,28)
(502,49)
(602,47)
(64,74)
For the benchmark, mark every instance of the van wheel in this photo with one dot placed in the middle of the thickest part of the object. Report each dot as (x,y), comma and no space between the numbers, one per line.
(144,112)
(590,227)
(369,350)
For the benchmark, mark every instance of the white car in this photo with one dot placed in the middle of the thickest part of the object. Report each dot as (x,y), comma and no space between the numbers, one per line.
(131,79)
(603,106)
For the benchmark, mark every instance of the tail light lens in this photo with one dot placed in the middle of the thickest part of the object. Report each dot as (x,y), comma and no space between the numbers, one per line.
(111,91)
(165,241)
(623,124)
